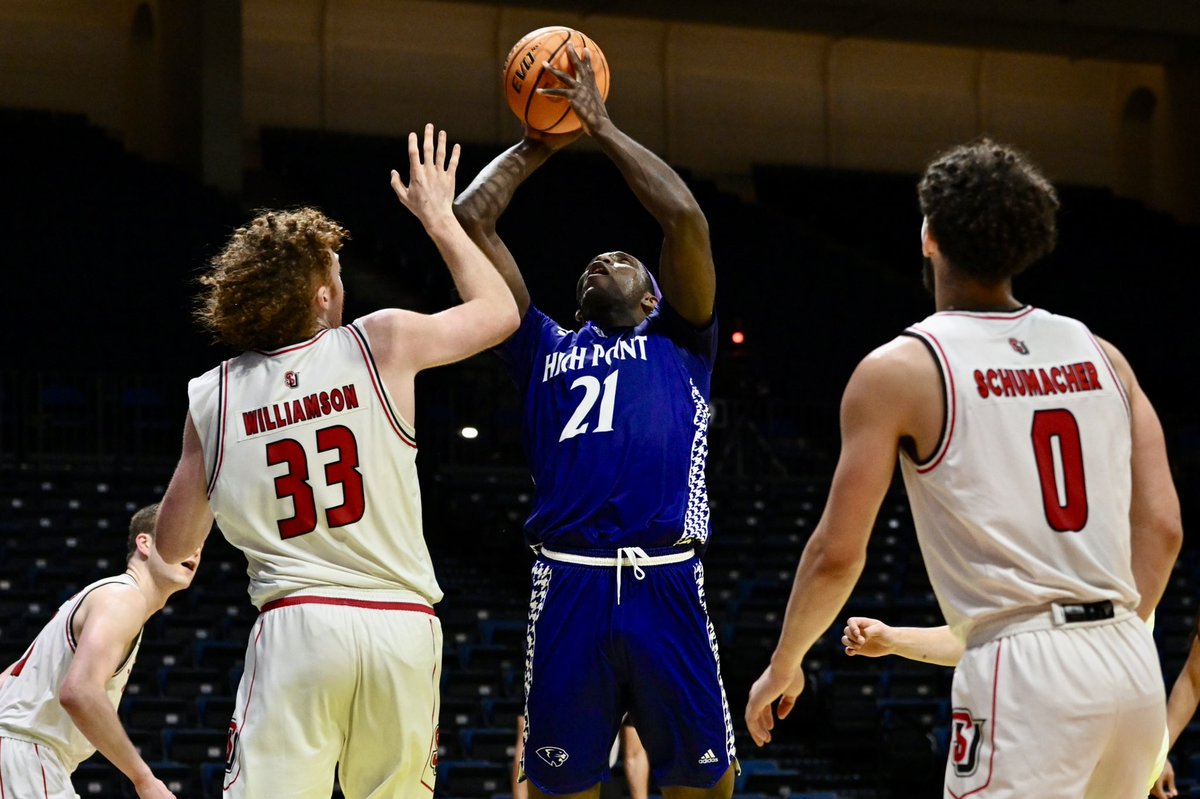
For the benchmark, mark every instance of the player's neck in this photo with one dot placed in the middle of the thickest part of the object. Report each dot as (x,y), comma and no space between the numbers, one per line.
(156,595)
(617,319)
(953,293)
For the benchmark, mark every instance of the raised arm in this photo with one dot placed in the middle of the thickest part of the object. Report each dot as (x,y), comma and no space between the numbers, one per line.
(1154,516)
(405,342)
(106,626)
(686,269)
(488,196)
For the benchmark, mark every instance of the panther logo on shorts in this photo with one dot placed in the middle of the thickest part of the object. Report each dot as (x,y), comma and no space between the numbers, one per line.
(231,744)
(553,755)
(967,735)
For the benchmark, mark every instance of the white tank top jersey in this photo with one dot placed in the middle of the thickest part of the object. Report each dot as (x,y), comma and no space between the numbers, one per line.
(29,706)
(1025,501)
(312,472)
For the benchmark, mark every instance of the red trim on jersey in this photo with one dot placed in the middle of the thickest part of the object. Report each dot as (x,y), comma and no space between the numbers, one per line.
(288,601)
(379,392)
(952,405)
(1108,364)
(222,413)
(1019,313)
(992,756)
(45,788)
(433,749)
(246,707)
(17,668)
(309,343)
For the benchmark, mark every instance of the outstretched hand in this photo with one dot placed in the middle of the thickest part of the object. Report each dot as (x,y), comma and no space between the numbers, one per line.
(767,688)
(430,190)
(579,89)
(867,637)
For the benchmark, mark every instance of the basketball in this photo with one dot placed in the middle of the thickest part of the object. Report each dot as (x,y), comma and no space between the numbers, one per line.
(524,75)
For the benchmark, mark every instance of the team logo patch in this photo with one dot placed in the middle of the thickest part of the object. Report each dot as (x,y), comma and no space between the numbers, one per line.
(967,733)
(707,757)
(1018,345)
(231,745)
(293,379)
(553,755)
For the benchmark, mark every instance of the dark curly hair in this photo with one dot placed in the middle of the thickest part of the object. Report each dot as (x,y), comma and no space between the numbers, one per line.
(257,294)
(989,208)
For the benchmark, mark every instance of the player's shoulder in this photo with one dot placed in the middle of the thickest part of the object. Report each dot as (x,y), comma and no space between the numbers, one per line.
(898,369)
(898,357)
(114,597)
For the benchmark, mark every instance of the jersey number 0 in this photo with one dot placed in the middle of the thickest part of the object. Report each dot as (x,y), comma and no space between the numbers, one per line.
(1059,456)
(294,483)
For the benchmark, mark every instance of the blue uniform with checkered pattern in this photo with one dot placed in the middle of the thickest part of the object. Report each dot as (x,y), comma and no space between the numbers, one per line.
(616,432)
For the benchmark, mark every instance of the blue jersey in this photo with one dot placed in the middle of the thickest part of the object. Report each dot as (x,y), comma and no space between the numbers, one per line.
(616,430)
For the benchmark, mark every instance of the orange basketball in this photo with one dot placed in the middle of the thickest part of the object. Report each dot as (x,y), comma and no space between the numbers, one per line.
(524,74)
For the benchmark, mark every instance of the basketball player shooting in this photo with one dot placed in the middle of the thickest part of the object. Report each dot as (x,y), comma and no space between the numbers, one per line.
(615,423)
(1038,480)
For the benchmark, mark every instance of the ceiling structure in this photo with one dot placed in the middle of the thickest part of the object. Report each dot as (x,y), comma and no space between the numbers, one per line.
(1156,31)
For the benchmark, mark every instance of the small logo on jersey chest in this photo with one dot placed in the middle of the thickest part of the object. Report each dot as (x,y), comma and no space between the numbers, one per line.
(553,755)
(292,379)
(1018,346)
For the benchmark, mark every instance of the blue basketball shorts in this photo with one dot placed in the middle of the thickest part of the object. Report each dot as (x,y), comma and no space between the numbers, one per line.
(593,654)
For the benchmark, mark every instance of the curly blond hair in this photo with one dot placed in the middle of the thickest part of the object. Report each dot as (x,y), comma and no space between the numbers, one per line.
(257,294)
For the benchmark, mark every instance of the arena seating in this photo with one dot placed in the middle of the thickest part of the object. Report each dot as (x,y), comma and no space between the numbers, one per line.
(86,437)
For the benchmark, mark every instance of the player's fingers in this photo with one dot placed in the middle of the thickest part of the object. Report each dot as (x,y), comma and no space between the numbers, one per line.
(427,145)
(440,154)
(399,187)
(565,77)
(786,703)
(455,152)
(414,153)
(553,92)
(577,60)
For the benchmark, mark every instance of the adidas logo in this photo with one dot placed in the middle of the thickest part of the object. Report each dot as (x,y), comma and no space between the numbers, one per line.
(707,757)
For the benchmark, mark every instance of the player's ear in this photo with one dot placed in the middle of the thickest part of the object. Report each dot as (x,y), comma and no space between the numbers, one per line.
(579,315)
(649,303)
(929,244)
(145,544)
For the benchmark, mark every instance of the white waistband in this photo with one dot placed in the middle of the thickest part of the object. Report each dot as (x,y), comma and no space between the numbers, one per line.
(622,555)
(636,557)
(1045,617)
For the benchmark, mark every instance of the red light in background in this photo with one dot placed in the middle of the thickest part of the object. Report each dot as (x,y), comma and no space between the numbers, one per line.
(738,337)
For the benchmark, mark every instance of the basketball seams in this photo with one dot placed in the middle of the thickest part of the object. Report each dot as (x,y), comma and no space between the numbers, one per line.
(537,112)
(537,84)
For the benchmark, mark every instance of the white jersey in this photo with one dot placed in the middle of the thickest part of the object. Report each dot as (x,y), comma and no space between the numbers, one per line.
(29,706)
(312,472)
(1025,501)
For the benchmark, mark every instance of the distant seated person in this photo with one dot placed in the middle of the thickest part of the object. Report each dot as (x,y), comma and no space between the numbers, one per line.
(628,746)
(58,703)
